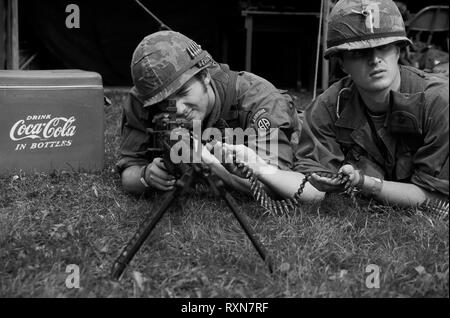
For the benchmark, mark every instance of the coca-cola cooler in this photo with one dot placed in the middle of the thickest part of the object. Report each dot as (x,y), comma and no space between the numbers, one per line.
(51,120)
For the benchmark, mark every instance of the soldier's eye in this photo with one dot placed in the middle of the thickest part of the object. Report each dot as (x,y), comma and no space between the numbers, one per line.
(357,53)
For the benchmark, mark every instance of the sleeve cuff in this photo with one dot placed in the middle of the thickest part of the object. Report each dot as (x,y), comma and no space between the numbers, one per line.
(430,183)
(126,162)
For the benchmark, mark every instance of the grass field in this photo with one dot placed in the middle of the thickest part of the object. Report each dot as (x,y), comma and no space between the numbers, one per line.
(48,222)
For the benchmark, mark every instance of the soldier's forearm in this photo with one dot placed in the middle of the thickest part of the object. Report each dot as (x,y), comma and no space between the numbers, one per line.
(287,183)
(131,180)
(404,194)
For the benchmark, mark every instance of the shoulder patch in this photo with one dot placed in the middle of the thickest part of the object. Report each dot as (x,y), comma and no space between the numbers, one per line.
(258,114)
(264,124)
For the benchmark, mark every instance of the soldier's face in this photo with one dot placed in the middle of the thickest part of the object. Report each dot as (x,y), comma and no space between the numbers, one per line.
(196,101)
(373,69)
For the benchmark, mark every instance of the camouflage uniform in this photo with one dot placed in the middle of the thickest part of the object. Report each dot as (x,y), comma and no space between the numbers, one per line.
(243,99)
(412,143)
(415,133)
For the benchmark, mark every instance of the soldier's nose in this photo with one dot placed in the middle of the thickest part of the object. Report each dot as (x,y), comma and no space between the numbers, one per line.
(375,56)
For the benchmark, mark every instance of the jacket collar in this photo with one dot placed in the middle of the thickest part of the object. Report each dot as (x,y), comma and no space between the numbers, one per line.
(410,97)
(351,108)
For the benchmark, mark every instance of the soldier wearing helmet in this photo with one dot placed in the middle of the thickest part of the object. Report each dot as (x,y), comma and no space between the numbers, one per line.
(384,125)
(168,65)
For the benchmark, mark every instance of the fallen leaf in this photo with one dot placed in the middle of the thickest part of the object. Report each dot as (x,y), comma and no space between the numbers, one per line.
(421,270)
(95,191)
(285,267)
(45,213)
(139,279)
(343,273)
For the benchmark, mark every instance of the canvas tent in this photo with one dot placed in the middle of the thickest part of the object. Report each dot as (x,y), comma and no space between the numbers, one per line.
(283,46)
(110,30)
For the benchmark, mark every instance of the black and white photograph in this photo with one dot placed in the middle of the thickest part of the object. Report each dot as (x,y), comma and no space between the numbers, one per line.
(227,156)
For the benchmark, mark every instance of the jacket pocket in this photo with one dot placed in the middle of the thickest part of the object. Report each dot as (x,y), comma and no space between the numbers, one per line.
(407,113)
(403,122)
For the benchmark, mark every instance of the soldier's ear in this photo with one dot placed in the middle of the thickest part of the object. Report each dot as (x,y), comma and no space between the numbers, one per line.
(207,79)
(399,50)
(340,61)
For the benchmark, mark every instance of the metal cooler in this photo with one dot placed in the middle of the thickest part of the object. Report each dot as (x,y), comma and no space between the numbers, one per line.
(51,120)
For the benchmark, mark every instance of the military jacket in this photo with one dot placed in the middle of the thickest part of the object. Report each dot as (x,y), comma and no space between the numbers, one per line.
(415,133)
(243,99)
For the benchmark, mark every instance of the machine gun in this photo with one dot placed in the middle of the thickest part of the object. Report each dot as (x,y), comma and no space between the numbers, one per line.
(187,174)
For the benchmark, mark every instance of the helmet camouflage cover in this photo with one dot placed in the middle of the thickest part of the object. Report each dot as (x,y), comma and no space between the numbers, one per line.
(362,24)
(163,62)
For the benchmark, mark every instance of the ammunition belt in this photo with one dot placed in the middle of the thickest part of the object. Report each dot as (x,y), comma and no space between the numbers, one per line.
(284,206)
(439,208)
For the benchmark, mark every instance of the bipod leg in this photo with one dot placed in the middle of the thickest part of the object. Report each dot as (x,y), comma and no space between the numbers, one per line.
(261,250)
(147,227)
(140,236)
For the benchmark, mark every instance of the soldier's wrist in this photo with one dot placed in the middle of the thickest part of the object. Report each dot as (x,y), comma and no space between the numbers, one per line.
(372,186)
(265,170)
(360,183)
(143,178)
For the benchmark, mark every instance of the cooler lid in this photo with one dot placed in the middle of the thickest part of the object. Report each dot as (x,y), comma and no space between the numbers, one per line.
(43,78)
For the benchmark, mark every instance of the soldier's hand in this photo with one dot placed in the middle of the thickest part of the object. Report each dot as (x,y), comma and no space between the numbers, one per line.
(331,182)
(157,176)
(353,175)
(218,167)
(244,155)
(208,157)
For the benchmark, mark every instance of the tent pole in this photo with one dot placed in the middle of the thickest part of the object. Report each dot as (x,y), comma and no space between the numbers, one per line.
(316,71)
(12,36)
(325,63)
(3,34)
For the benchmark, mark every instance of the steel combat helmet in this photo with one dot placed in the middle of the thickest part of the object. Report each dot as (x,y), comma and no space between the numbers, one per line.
(163,62)
(362,24)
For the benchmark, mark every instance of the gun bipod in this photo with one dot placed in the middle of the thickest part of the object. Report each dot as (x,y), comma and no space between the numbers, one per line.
(194,172)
